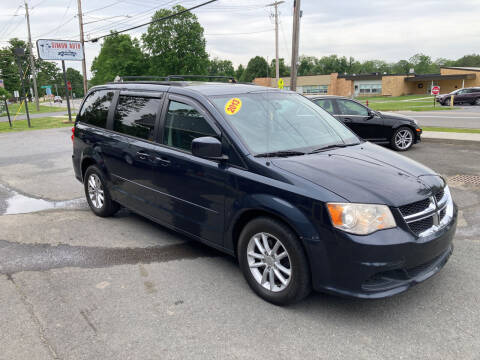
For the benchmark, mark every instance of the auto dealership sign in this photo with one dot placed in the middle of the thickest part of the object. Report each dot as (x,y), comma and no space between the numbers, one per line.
(59,50)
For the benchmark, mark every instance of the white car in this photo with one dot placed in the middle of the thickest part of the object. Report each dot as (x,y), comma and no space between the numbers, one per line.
(57,99)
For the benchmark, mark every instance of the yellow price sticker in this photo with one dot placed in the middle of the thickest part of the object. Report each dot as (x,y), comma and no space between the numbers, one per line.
(233,106)
(280,83)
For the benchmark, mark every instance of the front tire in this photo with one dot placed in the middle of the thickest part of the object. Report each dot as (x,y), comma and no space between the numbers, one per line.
(97,194)
(273,261)
(477,102)
(446,102)
(402,139)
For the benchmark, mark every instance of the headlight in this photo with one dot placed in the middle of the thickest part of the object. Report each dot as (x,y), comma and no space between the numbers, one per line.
(360,219)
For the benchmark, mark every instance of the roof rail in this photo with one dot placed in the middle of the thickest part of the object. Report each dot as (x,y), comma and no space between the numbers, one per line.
(172,77)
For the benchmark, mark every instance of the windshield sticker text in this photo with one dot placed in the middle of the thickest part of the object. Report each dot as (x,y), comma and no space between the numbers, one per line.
(233,106)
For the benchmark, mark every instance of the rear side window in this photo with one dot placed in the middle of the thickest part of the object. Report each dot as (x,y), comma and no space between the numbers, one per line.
(326,104)
(183,124)
(95,108)
(136,116)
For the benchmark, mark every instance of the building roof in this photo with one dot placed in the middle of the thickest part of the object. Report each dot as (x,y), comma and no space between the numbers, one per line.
(428,77)
(461,68)
(375,76)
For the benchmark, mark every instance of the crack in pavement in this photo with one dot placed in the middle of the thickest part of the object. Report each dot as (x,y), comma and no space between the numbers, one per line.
(16,257)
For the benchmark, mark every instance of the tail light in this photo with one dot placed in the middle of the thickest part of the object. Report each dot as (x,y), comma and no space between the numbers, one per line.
(73,132)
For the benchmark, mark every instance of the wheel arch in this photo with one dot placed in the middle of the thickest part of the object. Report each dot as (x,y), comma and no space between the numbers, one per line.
(275,208)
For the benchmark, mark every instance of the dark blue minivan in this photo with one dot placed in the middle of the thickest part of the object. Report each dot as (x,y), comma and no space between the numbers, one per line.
(269,177)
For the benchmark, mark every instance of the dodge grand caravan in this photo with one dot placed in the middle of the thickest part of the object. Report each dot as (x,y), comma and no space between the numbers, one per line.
(269,177)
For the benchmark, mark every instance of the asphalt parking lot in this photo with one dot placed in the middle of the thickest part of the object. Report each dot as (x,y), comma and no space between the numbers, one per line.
(73,285)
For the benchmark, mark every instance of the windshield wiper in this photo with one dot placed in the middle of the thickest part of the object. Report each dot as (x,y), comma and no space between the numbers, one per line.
(332,146)
(283,153)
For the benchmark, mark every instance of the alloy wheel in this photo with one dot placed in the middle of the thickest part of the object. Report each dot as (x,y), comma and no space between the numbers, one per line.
(269,262)
(95,191)
(403,139)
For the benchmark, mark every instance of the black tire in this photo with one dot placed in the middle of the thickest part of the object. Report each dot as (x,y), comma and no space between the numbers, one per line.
(476,102)
(446,102)
(108,207)
(398,132)
(299,285)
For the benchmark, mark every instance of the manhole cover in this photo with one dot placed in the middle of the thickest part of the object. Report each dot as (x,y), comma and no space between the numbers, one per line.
(465,179)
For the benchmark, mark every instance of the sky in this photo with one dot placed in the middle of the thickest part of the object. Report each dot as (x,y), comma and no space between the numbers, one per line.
(238,30)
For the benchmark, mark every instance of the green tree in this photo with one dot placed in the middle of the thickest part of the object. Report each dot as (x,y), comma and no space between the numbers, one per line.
(176,45)
(239,72)
(283,69)
(119,55)
(256,67)
(220,68)
(9,68)
(472,60)
(47,74)
(423,64)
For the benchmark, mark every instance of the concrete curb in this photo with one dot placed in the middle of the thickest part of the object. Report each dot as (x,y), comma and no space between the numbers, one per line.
(450,136)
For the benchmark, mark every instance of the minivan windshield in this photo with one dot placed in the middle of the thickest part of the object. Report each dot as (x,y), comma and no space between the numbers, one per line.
(282,122)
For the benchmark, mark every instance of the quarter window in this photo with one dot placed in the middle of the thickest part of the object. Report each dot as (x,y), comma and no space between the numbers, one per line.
(348,107)
(95,108)
(183,124)
(136,116)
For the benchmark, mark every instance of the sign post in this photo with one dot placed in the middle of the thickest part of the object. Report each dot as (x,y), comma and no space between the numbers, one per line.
(435,91)
(61,50)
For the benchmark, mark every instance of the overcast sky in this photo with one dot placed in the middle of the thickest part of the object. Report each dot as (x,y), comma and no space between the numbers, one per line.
(240,29)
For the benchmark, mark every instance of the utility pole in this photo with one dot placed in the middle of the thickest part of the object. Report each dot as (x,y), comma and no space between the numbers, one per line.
(277,66)
(32,63)
(82,40)
(295,37)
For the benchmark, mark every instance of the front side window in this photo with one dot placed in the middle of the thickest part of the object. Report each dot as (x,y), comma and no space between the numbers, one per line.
(279,121)
(136,116)
(347,107)
(183,124)
(95,108)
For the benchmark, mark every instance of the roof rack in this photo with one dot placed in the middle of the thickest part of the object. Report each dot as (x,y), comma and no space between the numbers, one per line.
(172,78)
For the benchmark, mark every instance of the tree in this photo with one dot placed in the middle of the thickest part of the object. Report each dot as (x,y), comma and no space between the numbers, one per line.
(472,60)
(120,55)
(47,74)
(256,67)
(423,64)
(176,45)
(239,72)
(217,67)
(283,69)
(401,67)
(9,68)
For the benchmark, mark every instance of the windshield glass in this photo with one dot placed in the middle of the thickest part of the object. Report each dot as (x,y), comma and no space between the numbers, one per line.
(280,121)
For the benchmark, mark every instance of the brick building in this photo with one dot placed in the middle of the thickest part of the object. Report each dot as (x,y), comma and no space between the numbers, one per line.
(449,79)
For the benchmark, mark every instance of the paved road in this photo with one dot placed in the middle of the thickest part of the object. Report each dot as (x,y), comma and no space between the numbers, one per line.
(73,285)
(463,117)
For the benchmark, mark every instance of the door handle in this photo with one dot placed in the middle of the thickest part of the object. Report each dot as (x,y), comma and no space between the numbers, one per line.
(142,155)
(347,119)
(162,160)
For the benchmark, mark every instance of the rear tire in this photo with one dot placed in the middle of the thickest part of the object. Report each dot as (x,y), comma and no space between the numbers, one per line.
(477,101)
(97,194)
(446,102)
(402,139)
(284,277)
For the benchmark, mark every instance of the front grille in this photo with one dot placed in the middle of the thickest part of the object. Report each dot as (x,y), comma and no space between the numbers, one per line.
(415,207)
(439,195)
(422,215)
(420,226)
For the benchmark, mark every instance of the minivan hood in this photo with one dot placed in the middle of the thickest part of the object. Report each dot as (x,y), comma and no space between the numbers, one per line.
(366,173)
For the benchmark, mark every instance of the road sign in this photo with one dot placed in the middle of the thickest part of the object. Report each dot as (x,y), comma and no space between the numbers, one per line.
(280,83)
(69,85)
(46,86)
(49,91)
(16,94)
(435,90)
(59,50)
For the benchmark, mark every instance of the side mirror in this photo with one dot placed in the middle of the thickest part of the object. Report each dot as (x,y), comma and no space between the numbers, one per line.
(208,147)
(371,113)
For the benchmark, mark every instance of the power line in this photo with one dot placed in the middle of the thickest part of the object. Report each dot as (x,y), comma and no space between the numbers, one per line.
(154,21)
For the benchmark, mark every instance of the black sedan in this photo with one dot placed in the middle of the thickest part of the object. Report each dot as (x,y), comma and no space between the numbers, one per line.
(398,131)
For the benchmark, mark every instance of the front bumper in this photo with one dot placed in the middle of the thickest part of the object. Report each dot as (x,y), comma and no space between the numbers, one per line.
(379,265)
(418,134)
